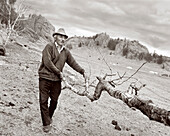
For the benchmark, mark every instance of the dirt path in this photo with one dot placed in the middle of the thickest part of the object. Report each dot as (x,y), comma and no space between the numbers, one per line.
(76,115)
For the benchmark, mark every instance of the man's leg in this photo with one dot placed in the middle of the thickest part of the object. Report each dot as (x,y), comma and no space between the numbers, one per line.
(44,88)
(54,94)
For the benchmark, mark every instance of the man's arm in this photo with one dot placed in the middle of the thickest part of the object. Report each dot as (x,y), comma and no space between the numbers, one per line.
(46,55)
(72,63)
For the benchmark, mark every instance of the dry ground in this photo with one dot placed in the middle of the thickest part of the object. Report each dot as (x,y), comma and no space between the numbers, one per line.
(76,115)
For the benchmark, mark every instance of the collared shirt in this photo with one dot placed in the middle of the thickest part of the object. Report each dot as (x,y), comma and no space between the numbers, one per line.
(58,48)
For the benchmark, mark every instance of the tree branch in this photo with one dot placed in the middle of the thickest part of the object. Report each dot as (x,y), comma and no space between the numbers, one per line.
(145,106)
(132,74)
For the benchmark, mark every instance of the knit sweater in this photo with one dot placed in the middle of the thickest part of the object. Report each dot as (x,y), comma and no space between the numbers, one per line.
(53,62)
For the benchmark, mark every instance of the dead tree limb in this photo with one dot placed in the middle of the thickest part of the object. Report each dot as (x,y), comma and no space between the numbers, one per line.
(84,93)
(145,106)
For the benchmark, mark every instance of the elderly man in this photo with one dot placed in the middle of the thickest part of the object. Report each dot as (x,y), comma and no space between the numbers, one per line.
(54,57)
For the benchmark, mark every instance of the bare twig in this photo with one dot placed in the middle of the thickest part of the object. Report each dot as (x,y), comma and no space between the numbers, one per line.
(91,84)
(120,77)
(125,77)
(105,60)
(108,75)
(133,74)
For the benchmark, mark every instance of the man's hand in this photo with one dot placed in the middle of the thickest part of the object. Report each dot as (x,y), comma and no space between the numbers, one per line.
(85,75)
(86,83)
(61,76)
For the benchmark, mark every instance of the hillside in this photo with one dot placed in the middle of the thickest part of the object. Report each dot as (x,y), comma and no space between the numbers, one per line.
(121,47)
(76,115)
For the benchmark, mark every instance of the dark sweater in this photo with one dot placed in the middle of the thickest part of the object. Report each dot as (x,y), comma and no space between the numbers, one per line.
(53,62)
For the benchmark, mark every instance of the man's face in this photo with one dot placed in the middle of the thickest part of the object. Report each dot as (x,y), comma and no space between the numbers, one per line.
(60,39)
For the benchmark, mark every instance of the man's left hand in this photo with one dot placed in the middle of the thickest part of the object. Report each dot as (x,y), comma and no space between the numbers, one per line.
(85,75)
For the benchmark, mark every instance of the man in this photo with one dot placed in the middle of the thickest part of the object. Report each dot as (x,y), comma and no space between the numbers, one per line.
(54,57)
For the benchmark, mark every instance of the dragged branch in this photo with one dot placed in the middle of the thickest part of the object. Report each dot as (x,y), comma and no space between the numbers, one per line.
(145,106)
(84,93)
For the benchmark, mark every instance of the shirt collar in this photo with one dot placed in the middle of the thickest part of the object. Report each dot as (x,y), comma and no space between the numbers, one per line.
(59,50)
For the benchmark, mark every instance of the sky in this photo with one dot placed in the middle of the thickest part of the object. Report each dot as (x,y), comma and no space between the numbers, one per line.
(147,21)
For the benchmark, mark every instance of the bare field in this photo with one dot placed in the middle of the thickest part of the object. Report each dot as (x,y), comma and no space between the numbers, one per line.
(76,115)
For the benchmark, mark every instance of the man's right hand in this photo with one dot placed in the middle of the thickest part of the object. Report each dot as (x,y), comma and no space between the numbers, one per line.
(61,76)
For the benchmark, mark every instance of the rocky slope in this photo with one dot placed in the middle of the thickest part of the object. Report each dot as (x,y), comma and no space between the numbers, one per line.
(102,40)
(134,48)
(36,27)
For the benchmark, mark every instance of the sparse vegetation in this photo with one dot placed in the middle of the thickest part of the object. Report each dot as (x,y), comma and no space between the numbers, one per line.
(8,14)
(160,59)
(141,56)
(80,44)
(135,50)
(148,57)
(125,51)
(97,43)
(112,44)
(95,36)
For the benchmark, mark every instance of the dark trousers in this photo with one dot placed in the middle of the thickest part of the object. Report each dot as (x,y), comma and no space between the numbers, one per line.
(48,89)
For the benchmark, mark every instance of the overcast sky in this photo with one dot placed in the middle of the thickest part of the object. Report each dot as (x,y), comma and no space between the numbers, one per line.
(147,21)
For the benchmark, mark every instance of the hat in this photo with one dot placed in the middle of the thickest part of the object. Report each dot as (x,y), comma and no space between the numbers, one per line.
(60,31)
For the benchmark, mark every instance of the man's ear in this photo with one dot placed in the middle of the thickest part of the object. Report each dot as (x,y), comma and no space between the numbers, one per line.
(55,36)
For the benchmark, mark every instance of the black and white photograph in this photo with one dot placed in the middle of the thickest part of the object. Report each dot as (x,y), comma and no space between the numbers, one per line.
(84,67)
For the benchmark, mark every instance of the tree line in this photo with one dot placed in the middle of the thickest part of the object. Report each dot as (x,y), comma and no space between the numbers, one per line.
(149,57)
